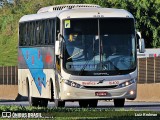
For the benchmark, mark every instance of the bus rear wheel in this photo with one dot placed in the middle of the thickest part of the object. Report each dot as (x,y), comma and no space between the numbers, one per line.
(33,102)
(119,102)
(83,103)
(43,102)
(93,103)
(59,103)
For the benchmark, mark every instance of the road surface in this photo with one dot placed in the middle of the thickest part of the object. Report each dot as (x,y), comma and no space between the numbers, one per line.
(133,105)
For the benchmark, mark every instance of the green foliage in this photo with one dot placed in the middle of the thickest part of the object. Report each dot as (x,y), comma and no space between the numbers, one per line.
(81,113)
(146,13)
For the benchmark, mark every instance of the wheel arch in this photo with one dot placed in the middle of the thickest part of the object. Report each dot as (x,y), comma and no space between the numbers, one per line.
(28,86)
(51,88)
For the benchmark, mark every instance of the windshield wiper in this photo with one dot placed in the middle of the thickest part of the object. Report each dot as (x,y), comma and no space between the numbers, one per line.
(75,54)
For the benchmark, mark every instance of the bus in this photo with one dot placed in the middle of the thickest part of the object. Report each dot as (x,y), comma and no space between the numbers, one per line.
(78,52)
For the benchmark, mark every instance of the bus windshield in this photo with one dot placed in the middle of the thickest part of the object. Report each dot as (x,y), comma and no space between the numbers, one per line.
(99,46)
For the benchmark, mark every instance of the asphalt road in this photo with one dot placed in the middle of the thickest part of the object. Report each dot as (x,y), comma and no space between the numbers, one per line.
(136,106)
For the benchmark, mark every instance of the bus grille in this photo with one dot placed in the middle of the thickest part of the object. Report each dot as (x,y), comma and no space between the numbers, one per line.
(100,87)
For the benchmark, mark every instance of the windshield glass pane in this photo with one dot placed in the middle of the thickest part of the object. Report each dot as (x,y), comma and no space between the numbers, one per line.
(81,44)
(99,45)
(118,44)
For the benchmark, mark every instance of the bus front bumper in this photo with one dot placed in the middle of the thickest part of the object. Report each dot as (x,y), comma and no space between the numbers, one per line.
(71,93)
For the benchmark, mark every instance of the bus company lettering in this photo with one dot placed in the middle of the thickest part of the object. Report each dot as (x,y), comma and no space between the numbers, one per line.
(88,83)
(113,82)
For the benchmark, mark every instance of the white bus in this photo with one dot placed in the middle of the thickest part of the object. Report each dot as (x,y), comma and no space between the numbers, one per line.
(77,52)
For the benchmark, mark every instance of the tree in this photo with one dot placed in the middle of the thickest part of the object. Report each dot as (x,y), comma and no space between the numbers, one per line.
(4,3)
(147,16)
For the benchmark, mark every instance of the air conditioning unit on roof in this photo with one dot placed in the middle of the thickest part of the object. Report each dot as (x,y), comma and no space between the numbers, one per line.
(66,6)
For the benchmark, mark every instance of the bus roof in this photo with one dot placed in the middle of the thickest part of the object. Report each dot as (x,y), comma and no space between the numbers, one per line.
(66,6)
(78,12)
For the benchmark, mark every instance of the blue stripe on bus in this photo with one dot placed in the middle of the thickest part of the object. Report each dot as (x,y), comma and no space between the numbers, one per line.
(35,64)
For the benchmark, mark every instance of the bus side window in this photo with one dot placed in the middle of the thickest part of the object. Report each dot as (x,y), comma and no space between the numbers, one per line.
(26,36)
(49,32)
(46,32)
(40,33)
(31,33)
(34,32)
(37,32)
(52,32)
(21,33)
(43,32)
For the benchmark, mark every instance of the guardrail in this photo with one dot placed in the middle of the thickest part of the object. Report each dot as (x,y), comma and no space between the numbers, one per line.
(148,72)
(9,75)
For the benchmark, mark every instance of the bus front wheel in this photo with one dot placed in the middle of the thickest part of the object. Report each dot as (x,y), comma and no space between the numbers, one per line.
(93,103)
(83,103)
(119,102)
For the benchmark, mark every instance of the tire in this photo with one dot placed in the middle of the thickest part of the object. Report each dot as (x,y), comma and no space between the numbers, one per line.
(52,90)
(83,103)
(43,102)
(93,103)
(59,103)
(119,102)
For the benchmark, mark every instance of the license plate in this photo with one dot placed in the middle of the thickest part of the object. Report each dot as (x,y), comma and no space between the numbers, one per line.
(100,93)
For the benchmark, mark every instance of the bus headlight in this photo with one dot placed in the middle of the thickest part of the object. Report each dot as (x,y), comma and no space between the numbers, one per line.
(127,83)
(73,84)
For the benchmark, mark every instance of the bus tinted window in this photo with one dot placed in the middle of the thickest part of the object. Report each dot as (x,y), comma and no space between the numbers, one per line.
(31,33)
(21,34)
(117,26)
(26,34)
(41,32)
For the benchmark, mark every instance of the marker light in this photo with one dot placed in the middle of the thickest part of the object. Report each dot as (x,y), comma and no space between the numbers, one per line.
(68,94)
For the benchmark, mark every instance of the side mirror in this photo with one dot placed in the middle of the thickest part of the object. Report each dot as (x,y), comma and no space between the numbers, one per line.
(141,43)
(57,48)
(58,44)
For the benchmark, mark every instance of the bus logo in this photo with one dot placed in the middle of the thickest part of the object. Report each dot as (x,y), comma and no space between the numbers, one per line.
(101,81)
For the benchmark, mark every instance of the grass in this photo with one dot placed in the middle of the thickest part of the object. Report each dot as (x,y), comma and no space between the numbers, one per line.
(80,113)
